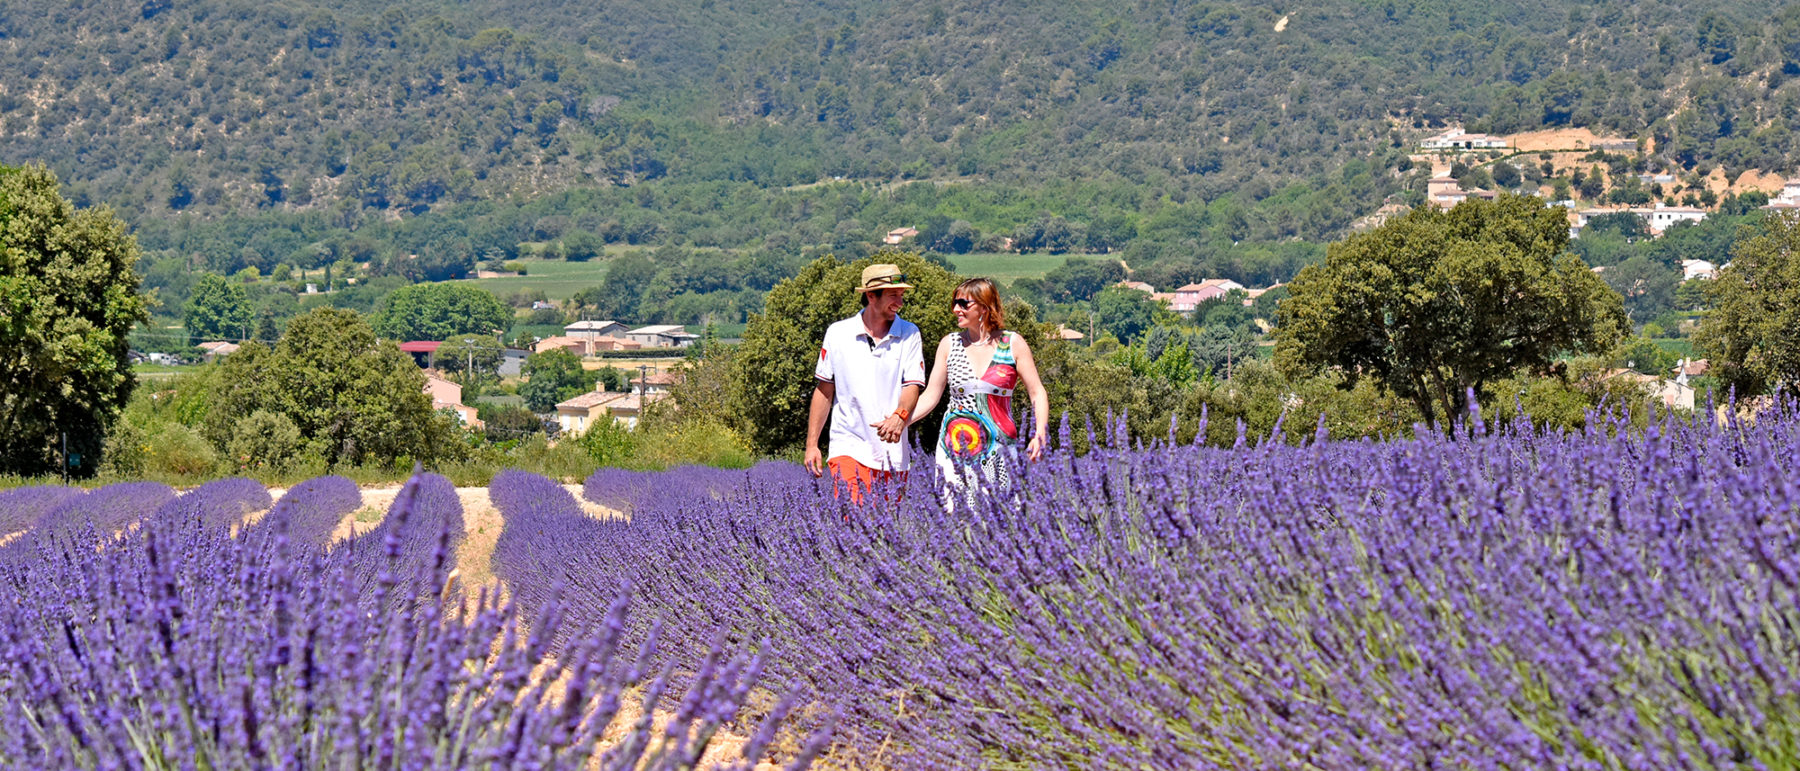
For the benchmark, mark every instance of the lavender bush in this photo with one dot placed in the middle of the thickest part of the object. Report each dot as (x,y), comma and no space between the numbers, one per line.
(1488,598)
(108,509)
(176,645)
(424,524)
(222,503)
(311,510)
(21,507)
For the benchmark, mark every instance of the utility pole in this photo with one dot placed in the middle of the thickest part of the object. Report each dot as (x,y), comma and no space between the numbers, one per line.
(469,365)
(643,382)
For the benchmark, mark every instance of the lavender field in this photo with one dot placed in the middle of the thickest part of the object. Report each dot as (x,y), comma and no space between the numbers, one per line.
(1491,597)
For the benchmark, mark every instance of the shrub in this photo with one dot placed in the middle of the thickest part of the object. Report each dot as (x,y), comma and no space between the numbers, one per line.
(179,453)
(264,441)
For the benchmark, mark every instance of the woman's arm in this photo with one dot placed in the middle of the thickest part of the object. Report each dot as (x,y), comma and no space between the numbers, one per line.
(934,385)
(1040,399)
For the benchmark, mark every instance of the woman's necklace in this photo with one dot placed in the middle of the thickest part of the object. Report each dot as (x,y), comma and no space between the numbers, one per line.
(986,339)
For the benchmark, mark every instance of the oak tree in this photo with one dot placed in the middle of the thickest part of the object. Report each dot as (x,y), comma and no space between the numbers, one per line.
(1438,303)
(68,298)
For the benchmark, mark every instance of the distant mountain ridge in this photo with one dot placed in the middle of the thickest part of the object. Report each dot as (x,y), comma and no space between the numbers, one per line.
(365,111)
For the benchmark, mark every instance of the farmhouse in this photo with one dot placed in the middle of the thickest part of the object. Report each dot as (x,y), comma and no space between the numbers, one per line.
(1659,217)
(216,349)
(593,330)
(424,352)
(1788,199)
(578,414)
(584,346)
(1456,139)
(1698,269)
(447,395)
(1446,192)
(662,336)
(1189,297)
(898,235)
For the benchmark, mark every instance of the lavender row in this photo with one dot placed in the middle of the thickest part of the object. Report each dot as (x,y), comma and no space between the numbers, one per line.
(177,645)
(107,510)
(221,503)
(1486,599)
(310,511)
(410,554)
(21,507)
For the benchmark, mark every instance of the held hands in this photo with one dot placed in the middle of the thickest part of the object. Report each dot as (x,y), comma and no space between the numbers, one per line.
(891,428)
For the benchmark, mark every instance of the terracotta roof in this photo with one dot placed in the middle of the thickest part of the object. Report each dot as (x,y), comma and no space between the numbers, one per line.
(591,399)
(420,346)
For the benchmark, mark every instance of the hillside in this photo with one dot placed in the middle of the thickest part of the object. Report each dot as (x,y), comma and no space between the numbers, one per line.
(1186,126)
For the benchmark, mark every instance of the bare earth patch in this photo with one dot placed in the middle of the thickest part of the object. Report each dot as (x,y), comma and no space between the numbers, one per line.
(1560,139)
(593,509)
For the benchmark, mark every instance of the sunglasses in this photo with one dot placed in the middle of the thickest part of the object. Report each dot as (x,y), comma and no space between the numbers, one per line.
(962,303)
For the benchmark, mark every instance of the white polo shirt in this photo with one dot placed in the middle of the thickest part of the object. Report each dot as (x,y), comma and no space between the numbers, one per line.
(868,375)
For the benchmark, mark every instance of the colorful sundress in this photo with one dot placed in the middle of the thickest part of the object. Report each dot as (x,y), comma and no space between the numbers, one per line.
(977,441)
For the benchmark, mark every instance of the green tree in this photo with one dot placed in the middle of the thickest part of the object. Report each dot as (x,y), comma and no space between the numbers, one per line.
(1752,334)
(1647,286)
(1124,311)
(355,398)
(68,298)
(218,309)
(438,311)
(581,246)
(1437,303)
(471,358)
(772,379)
(553,376)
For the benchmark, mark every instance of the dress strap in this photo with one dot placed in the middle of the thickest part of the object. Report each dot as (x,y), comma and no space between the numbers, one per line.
(1003,353)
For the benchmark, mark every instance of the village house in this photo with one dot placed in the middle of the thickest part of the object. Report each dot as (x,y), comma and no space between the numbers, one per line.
(1446,192)
(1456,139)
(898,235)
(1698,269)
(216,349)
(655,382)
(1138,285)
(662,336)
(1673,394)
(447,395)
(1788,199)
(584,346)
(1065,333)
(424,352)
(1191,296)
(593,330)
(1659,217)
(575,416)
(630,408)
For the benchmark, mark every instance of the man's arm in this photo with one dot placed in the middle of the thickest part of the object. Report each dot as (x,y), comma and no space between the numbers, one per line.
(912,383)
(817,412)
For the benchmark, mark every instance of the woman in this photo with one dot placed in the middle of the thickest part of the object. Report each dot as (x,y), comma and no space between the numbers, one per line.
(980,367)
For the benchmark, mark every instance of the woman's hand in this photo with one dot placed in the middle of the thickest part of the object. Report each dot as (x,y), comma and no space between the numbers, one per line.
(1035,450)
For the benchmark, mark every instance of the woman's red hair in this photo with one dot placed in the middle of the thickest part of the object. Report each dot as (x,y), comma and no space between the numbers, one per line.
(986,295)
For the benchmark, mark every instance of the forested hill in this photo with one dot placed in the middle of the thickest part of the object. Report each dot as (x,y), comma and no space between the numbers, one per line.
(362,111)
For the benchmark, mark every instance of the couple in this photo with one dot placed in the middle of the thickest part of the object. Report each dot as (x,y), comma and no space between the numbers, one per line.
(870,382)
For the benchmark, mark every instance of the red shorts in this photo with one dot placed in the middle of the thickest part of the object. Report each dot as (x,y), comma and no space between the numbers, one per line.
(858,477)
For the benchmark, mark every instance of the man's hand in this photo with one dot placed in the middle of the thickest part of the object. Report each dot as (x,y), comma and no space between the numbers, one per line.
(815,462)
(891,428)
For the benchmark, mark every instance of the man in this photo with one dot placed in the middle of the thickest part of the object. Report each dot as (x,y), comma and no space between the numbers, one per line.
(870,373)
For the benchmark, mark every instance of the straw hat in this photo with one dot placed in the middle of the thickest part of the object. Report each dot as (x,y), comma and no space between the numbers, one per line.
(878,277)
